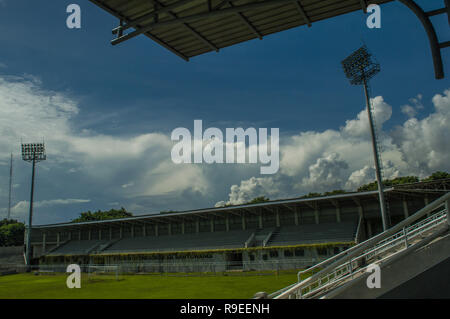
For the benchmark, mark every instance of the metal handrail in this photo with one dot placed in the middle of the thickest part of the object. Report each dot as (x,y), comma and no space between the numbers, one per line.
(347,270)
(336,263)
(425,225)
(266,240)
(416,225)
(351,273)
(249,240)
(407,231)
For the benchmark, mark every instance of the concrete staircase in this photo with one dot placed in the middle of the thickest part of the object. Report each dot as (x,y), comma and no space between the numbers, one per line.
(421,272)
(411,258)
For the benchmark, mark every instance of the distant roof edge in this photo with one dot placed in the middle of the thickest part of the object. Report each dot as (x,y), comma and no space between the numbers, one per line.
(401,187)
(217,209)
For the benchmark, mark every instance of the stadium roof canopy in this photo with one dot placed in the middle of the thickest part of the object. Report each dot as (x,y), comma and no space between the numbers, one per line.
(436,187)
(235,208)
(192,27)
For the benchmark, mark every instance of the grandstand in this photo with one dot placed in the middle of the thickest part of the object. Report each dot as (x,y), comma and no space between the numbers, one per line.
(286,234)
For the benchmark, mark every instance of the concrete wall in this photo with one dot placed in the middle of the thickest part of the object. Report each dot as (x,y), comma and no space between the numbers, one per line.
(11,256)
(263,259)
(432,283)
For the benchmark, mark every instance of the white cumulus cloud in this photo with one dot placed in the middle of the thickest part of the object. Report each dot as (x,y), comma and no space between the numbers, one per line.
(21,209)
(332,159)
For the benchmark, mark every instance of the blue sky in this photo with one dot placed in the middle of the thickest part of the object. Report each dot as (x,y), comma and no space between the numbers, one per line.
(291,80)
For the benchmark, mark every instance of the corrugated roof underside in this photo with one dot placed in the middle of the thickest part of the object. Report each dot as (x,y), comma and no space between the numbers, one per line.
(207,34)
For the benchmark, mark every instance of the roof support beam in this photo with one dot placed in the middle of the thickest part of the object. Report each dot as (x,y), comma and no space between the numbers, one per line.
(412,193)
(444,44)
(363,5)
(233,213)
(155,13)
(201,216)
(447,6)
(221,4)
(288,207)
(188,27)
(155,8)
(335,203)
(312,204)
(247,22)
(432,36)
(188,218)
(303,13)
(250,211)
(446,9)
(199,16)
(171,219)
(136,22)
(357,201)
(436,12)
(268,208)
(151,36)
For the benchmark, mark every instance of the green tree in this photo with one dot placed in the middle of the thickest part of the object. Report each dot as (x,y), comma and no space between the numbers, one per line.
(389,182)
(256,200)
(11,232)
(168,211)
(102,215)
(312,194)
(335,192)
(437,175)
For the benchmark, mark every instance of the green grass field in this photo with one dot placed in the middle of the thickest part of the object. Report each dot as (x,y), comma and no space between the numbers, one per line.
(166,286)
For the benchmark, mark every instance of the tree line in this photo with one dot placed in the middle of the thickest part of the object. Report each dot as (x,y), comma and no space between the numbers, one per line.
(11,232)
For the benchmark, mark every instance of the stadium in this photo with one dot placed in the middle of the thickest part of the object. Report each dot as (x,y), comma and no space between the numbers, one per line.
(307,247)
(284,234)
(279,237)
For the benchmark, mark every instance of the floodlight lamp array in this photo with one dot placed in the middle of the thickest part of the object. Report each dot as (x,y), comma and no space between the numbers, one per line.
(360,66)
(33,151)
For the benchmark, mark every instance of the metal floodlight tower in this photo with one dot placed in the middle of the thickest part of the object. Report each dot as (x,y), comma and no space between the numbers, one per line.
(359,68)
(32,153)
(10,186)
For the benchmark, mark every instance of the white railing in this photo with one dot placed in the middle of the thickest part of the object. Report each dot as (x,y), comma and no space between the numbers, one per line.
(358,230)
(352,267)
(407,234)
(266,240)
(249,240)
(346,264)
(56,247)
